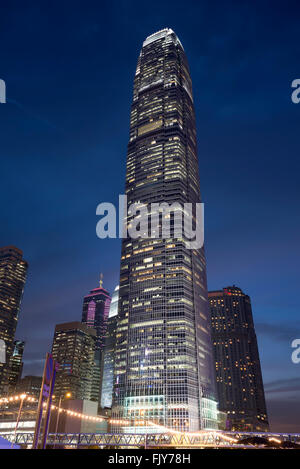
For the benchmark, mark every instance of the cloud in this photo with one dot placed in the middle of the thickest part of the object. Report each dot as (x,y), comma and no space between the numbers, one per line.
(284,416)
(282,398)
(279,332)
(283,385)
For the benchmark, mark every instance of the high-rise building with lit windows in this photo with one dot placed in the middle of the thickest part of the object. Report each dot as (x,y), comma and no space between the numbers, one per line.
(15,365)
(108,360)
(238,372)
(74,349)
(30,385)
(13,270)
(163,361)
(95,312)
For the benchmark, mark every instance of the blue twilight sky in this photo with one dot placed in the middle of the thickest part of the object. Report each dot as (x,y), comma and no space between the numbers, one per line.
(69,68)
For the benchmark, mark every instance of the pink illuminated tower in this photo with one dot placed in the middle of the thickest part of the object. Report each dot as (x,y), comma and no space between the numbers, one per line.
(95,314)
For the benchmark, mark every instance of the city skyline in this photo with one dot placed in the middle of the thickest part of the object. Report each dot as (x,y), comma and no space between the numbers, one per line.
(250,255)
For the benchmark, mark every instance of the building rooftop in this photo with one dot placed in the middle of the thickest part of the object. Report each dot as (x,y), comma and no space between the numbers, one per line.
(14,249)
(75,325)
(160,34)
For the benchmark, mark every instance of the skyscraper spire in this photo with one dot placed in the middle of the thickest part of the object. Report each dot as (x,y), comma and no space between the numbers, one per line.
(101,280)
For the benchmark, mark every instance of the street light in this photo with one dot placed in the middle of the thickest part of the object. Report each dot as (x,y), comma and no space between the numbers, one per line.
(22,398)
(67,396)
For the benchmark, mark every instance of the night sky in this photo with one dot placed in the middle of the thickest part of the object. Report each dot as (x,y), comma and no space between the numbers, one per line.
(69,69)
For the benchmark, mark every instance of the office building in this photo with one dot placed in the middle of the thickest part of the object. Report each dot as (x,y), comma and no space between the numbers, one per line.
(30,385)
(108,361)
(238,372)
(13,270)
(74,349)
(15,365)
(95,314)
(164,363)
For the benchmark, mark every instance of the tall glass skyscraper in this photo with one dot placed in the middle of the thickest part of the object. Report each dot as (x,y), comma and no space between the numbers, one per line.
(164,367)
(108,360)
(95,315)
(95,312)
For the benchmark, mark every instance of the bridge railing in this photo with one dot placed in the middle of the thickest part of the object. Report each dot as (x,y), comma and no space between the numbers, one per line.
(205,439)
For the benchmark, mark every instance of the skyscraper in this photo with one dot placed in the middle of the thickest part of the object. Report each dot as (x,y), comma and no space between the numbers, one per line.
(95,314)
(164,365)
(74,349)
(238,373)
(13,269)
(108,360)
(30,385)
(15,365)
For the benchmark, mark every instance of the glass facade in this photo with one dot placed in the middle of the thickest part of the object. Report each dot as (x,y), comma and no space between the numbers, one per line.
(163,359)
(109,352)
(95,312)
